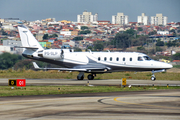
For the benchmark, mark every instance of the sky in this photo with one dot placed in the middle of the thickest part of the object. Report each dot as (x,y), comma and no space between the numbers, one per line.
(32,10)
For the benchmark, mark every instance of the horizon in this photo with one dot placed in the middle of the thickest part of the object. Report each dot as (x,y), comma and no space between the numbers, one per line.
(32,10)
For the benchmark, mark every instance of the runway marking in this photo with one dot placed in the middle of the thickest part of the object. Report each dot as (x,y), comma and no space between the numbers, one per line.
(115,99)
(43,100)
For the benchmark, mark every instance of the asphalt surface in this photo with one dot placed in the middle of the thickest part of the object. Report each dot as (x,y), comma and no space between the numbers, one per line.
(4,81)
(156,104)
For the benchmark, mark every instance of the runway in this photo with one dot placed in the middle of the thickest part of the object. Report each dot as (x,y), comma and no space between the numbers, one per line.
(155,104)
(161,105)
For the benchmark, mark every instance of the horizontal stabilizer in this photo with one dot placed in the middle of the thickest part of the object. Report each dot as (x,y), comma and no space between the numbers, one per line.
(26,47)
(35,65)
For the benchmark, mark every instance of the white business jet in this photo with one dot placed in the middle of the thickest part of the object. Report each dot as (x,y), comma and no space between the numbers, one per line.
(88,62)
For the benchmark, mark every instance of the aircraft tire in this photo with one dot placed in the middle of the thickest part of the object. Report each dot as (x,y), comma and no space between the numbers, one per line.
(153,78)
(80,78)
(90,77)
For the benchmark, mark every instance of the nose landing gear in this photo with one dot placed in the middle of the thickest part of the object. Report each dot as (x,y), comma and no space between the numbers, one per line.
(153,78)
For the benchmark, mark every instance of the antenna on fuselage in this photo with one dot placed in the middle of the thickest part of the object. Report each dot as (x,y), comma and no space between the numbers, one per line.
(89,50)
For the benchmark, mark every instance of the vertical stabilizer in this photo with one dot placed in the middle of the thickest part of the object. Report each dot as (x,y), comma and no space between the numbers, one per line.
(27,38)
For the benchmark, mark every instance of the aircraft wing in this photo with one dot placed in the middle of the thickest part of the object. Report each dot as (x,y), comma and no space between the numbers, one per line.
(73,69)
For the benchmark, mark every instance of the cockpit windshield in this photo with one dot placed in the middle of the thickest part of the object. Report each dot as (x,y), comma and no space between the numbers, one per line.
(147,58)
(140,59)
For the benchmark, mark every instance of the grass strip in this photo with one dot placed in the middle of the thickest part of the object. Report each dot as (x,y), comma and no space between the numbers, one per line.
(30,74)
(53,90)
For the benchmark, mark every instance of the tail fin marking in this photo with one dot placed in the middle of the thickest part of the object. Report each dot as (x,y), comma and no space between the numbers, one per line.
(27,38)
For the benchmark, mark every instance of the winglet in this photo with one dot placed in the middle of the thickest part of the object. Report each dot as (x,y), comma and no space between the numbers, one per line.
(35,65)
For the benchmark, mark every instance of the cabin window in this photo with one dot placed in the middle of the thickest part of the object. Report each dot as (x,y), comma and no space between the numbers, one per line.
(117,59)
(130,59)
(146,57)
(99,58)
(140,59)
(110,58)
(105,58)
(123,59)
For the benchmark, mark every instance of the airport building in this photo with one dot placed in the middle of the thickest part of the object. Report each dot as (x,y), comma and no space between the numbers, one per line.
(144,20)
(120,18)
(159,19)
(87,17)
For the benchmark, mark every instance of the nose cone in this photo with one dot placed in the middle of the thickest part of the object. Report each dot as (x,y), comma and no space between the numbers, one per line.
(167,66)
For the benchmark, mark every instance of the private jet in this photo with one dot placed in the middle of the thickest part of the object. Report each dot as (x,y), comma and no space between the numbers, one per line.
(88,62)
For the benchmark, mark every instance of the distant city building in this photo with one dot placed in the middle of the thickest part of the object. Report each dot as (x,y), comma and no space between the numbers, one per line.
(48,20)
(87,17)
(17,20)
(159,19)
(10,46)
(2,20)
(163,32)
(143,19)
(120,18)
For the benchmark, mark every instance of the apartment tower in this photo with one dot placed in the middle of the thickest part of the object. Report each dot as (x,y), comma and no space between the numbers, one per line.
(120,18)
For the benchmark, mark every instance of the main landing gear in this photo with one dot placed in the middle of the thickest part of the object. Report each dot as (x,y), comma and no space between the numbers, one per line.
(81,76)
(91,76)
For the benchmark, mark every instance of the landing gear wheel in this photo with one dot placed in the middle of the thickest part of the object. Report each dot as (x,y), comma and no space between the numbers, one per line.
(153,78)
(80,78)
(90,77)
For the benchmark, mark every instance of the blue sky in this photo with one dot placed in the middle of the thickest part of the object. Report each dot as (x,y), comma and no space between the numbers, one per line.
(31,10)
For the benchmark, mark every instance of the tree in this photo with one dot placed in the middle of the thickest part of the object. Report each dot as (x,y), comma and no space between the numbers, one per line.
(90,47)
(121,40)
(53,36)
(78,38)
(160,43)
(152,32)
(140,48)
(158,48)
(176,56)
(130,32)
(140,29)
(98,47)
(171,43)
(46,36)
(84,27)
(8,60)
(76,49)
(85,32)
(139,41)
(3,32)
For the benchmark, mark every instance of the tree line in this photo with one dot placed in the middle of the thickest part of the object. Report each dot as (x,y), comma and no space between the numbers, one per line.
(16,62)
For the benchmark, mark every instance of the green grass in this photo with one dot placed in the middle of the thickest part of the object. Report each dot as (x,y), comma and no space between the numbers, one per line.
(52,90)
(73,75)
(176,66)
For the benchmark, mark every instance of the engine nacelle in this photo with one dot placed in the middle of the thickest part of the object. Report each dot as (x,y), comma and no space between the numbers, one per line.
(55,54)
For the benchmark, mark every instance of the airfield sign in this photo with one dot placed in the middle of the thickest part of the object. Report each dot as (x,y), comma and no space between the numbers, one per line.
(12,82)
(124,81)
(17,82)
(21,82)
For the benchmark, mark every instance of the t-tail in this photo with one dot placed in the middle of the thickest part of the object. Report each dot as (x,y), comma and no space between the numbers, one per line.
(27,39)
